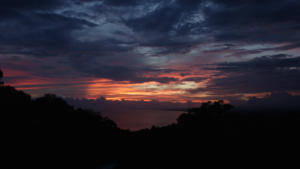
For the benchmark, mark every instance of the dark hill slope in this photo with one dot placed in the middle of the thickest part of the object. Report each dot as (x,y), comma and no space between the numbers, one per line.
(48,133)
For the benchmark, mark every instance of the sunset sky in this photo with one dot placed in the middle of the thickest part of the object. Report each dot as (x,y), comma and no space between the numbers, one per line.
(165,50)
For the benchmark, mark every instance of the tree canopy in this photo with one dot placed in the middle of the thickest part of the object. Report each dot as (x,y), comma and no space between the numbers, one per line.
(1,76)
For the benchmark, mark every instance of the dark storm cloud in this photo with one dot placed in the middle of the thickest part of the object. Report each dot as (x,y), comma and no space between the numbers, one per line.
(172,21)
(242,21)
(40,30)
(31,4)
(93,35)
(254,21)
(122,2)
(177,23)
(194,79)
(33,28)
(278,73)
(164,18)
(275,101)
(166,24)
(125,73)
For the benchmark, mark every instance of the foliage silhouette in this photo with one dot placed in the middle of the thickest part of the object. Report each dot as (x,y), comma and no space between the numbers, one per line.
(48,133)
(1,76)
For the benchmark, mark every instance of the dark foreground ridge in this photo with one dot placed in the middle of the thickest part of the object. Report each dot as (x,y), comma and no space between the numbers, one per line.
(48,133)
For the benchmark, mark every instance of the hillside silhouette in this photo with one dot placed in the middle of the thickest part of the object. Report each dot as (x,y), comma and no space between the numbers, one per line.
(48,133)
(1,76)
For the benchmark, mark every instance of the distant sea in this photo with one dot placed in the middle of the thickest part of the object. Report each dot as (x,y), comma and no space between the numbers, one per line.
(136,119)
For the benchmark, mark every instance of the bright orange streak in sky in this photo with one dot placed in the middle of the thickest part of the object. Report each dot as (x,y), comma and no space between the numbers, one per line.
(112,90)
(139,91)
(93,88)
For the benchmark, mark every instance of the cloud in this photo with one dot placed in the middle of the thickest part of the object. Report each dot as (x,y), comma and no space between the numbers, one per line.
(278,73)
(126,73)
(281,101)
(253,21)
(194,79)
(32,4)
(137,40)
(121,2)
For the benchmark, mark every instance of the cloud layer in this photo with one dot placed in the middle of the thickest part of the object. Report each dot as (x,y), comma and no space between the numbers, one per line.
(198,49)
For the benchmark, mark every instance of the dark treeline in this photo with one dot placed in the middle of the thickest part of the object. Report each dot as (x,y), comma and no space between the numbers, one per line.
(48,133)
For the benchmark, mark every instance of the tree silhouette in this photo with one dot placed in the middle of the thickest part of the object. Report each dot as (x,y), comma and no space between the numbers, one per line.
(47,132)
(1,76)
(47,125)
(209,110)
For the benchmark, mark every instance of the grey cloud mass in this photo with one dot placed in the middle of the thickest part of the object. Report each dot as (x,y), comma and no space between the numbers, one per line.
(118,40)
(278,73)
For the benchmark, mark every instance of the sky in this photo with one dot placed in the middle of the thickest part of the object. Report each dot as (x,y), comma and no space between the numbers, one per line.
(164,50)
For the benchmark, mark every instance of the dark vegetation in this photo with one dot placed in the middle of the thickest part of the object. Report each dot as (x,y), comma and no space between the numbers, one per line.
(48,133)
